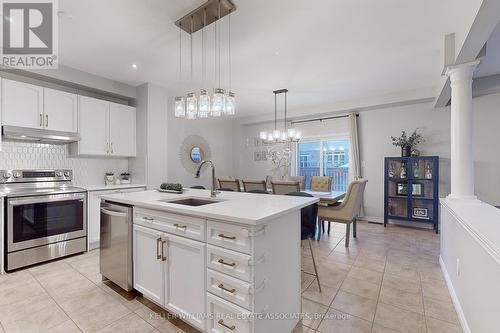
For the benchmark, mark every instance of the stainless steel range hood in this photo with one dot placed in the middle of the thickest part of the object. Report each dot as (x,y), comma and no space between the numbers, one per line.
(36,134)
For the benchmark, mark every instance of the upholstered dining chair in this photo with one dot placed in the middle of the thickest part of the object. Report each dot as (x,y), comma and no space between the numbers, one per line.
(258,192)
(347,212)
(321,183)
(249,185)
(285,187)
(308,217)
(233,184)
(300,179)
(269,179)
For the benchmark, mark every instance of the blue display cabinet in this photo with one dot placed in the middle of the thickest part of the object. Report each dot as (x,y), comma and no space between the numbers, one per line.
(411,189)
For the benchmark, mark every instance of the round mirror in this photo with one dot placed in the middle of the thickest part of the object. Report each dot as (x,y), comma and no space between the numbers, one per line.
(196,154)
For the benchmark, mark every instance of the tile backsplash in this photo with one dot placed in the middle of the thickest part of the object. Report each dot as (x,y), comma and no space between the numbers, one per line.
(34,155)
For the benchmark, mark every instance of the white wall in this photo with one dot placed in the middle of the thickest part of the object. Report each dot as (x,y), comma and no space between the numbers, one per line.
(375,130)
(150,164)
(219,135)
(487,156)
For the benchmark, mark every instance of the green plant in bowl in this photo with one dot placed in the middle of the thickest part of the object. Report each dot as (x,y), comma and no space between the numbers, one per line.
(171,187)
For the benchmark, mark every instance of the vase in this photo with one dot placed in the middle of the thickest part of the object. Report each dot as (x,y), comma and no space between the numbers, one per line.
(406,151)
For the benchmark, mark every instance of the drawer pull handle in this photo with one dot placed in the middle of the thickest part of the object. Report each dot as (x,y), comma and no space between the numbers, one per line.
(221,322)
(220,261)
(150,219)
(232,291)
(180,226)
(158,255)
(227,237)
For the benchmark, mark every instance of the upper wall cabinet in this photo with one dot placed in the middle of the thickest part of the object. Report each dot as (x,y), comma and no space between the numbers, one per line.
(122,137)
(60,110)
(27,105)
(93,126)
(105,128)
(22,104)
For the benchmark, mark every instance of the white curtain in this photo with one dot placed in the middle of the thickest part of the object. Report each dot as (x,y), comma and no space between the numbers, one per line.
(356,160)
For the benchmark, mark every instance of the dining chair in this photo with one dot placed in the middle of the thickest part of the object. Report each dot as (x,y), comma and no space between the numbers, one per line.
(285,187)
(233,184)
(347,212)
(198,187)
(308,217)
(300,179)
(258,192)
(269,179)
(321,183)
(249,185)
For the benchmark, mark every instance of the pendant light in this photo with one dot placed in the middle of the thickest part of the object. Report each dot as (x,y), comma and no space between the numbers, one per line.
(218,99)
(278,136)
(191,101)
(180,105)
(218,102)
(229,108)
(204,100)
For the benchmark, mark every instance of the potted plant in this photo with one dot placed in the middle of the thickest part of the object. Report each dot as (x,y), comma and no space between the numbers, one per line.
(407,143)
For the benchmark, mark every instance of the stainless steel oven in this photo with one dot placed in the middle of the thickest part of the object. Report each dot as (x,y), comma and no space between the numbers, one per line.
(44,219)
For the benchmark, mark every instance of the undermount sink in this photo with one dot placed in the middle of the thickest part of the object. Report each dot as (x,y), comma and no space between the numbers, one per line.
(191,201)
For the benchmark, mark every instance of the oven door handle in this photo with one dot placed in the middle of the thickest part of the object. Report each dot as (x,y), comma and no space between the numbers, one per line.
(113,213)
(39,199)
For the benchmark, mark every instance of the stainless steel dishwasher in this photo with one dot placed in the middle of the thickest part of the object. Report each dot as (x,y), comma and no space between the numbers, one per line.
(116,244)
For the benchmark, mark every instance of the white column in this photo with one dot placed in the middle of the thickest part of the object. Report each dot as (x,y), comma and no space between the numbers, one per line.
(462,150)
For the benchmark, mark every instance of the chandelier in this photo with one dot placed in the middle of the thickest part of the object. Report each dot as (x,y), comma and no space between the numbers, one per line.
(221,101)
(280,136)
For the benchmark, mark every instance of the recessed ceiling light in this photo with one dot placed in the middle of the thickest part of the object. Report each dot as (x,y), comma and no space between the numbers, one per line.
(134,66)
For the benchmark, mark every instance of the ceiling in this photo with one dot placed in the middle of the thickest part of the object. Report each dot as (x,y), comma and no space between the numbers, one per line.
(326,54)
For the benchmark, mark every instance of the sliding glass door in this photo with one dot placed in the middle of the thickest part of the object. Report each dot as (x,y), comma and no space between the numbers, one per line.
(324,157)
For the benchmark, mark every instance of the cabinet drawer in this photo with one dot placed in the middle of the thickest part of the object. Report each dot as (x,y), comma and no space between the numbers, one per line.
(229,262)
(231,289)
(186,226)
(231,236)
(226,317)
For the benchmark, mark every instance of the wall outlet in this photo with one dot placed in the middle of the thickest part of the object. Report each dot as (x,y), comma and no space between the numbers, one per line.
(458,267)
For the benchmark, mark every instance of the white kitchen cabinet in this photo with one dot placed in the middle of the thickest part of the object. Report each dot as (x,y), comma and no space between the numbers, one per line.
(185,278)
(60,110)
(22,104)
(148,263)
(122,135)
(94,213)
(106,129)
(92,126)
(182,274)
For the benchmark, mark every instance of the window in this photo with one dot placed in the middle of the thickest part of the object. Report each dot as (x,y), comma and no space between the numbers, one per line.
(304,160)
(327,158)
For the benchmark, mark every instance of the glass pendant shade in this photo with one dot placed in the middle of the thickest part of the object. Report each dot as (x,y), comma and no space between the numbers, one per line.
(180,107)
(298,135)
(291,133)
(270,137)
(276,134)
(263,135)
(230,104)
(204,104)
(191,106)
(218,102)
(284,136)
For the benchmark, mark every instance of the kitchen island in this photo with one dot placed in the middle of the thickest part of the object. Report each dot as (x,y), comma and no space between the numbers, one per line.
(224,264)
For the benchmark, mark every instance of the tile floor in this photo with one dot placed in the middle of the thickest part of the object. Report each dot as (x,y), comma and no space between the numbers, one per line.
(388,280)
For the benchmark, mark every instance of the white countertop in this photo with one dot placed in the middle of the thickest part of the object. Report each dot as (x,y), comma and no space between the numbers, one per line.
(102,187)
(481,219)
(245,208)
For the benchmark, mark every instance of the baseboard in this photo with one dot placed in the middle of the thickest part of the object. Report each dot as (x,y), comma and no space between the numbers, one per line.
(454,298)
(94,245)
